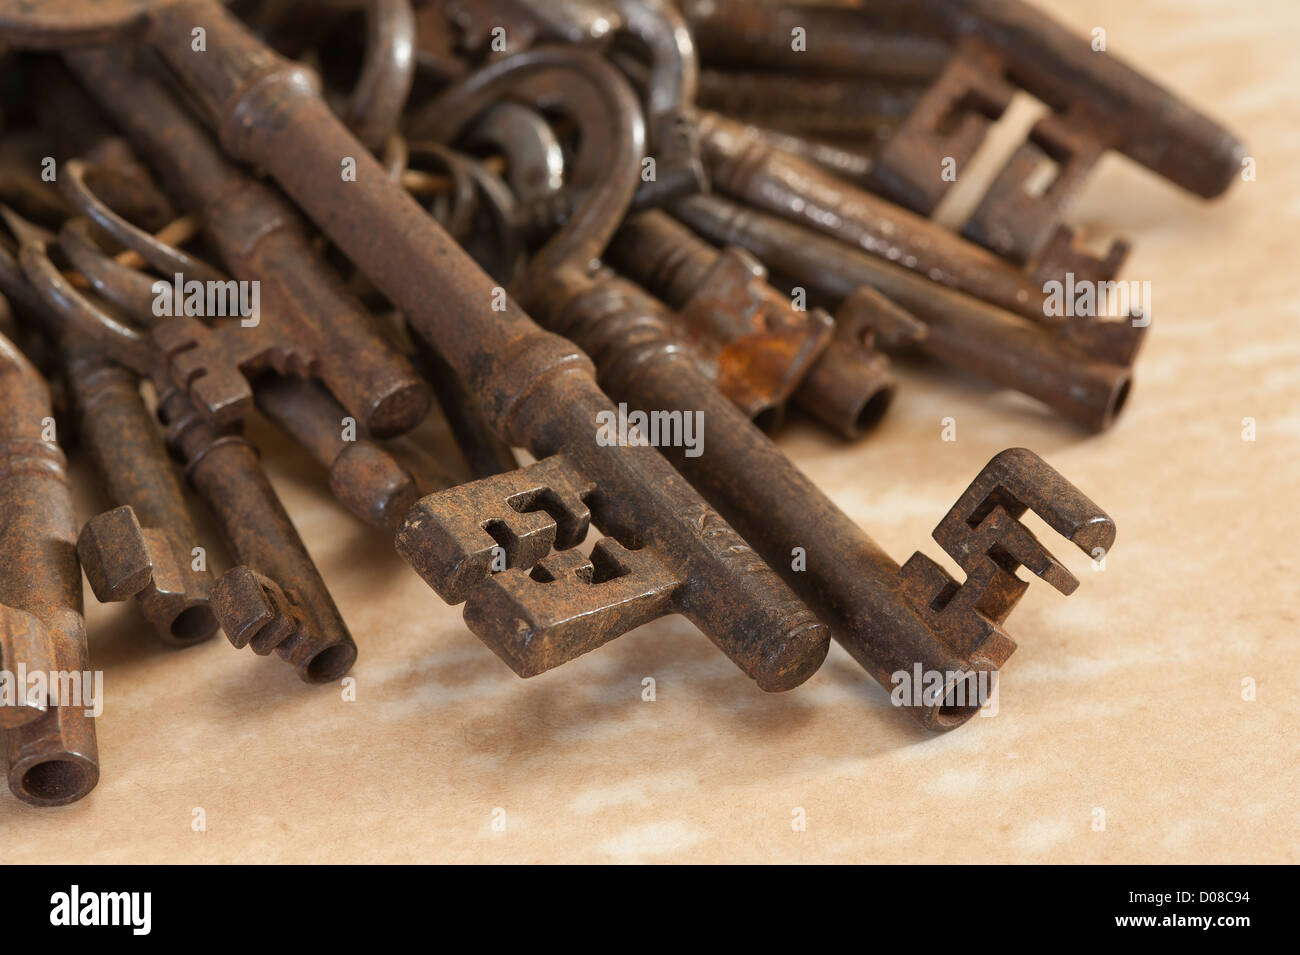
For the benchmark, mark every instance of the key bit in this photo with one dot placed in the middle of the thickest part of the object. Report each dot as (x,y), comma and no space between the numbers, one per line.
(256,613)
(950,121)
(569,604)
(124,560)
(1018,224)
(984,535)
(452,539)
(212,367)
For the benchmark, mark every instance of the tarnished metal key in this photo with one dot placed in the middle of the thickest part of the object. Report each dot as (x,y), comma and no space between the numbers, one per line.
(745,165)
(1097,101)
(764,350)
(144,546)
(49,748)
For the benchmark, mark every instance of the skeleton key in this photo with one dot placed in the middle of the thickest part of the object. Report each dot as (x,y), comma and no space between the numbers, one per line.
(1082,372)
(850,582)
(776,659)
(745,166)
(1098,102)
(49,751)
(143,547)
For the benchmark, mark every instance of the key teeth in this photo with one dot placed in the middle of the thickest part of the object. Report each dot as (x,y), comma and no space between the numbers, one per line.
(569,604)
(1062,254)
(983,534)
(450,537)
(1019,477)
(253,610)
(969,86)
(219,390)
(256,613)
(124,560)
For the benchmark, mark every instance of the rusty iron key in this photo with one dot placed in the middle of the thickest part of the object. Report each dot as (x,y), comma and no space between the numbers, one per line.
(1097,102)
(50,753)
(143,547)
(745,165)
(1088,382)
(890,619)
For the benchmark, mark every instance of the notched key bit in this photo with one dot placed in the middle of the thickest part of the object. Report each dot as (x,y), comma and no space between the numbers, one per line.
(949,122)
(213,365)
(452,538)
(122,560)
(984,535)
(569,604)
(257,614)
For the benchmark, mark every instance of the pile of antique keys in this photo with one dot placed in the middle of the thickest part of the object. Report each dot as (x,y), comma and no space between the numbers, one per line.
(537,215)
